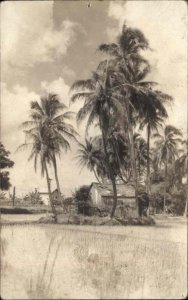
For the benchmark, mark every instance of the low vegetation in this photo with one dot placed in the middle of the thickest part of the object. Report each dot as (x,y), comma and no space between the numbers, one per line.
(99,265)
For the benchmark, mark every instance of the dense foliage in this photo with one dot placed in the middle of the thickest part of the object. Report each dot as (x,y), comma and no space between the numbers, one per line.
(5,162)
(121,102)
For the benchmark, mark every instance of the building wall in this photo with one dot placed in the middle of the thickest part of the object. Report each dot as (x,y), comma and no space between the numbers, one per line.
(95,196)
(55,195)
(129,202)
(45,199)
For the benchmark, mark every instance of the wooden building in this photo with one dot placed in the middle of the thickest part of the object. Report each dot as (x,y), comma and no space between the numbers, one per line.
(101,196)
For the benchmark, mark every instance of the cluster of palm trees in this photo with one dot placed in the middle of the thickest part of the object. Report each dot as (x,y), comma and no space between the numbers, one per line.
(48,133)
(120,100)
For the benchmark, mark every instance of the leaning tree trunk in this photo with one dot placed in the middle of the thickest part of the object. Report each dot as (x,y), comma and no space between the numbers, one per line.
(50,194)
(57,179)
(95,173)
(13,196)
(185,212)
(148,183)
(112,177)
(132,153)
(166,172)
(133,162)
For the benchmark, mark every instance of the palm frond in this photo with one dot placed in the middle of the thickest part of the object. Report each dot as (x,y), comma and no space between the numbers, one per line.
(23,147)
(83,84)
(80,95)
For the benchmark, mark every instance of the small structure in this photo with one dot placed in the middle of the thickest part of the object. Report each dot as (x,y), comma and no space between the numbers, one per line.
(101,195)
(45,197)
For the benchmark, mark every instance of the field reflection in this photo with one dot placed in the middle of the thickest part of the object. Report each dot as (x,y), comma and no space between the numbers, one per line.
(51,262)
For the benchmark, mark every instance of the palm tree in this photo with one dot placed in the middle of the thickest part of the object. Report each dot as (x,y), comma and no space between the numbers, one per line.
(130,70)
(140,153)
(49,114)
(181,170)
(100,107)
(90,156)
(167,149)
(120,157)
(36,138)
(152,114)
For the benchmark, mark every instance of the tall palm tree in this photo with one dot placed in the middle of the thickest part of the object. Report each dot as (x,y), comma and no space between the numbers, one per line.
(90,156)
(140,153)
(36,138)
(99,106)
(119,152)
(131,69)
(49,114)
(167,149)
(181,170)
(152,114)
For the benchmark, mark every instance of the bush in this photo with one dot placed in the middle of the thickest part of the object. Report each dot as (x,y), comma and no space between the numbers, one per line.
(175,203)
(82,198)
(15,210)
(33,198)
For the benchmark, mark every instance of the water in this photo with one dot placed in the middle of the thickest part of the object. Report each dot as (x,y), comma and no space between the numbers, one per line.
(46,262)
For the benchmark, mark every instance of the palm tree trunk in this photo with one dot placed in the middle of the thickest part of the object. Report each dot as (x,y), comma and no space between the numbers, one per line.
(166,172)
(139,167)
(134,168)
(115,196)
(185,212)
(49,192)
(148,186)
(57,179)
(132,152)
(95,173)
(112,177)
(121,171)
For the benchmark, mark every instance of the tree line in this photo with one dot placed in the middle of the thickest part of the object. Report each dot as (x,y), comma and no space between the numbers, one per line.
(121,102)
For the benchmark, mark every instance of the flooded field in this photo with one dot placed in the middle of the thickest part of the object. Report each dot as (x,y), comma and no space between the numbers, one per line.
(70,262)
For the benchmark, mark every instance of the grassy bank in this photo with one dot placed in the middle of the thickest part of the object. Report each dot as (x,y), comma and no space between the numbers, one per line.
(24,210)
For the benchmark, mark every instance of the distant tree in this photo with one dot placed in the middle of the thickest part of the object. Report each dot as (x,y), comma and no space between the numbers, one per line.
(141,153)
(34,198)
(167,148)
(39,142)
(52,115)
(152,114)
(181,171)
(89,156)
(5,163)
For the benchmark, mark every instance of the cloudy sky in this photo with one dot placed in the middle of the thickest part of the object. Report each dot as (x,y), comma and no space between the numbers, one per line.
(46,45)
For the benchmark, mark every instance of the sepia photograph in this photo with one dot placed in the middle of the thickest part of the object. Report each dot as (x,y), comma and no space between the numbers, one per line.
(93,149)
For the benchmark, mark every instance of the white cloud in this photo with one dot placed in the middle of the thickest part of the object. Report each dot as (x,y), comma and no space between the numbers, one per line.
(164,23)
(59,87)
(15,110)
(28,33)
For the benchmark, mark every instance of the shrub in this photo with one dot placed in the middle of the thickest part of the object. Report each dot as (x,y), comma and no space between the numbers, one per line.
(33,198)
(82,199)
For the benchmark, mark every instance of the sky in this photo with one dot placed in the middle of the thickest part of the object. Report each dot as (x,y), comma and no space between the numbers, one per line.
(47,45)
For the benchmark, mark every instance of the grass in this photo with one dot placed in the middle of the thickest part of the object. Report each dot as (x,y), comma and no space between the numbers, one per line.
(72,264)
(40,286)
(126,268)
(79,219)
